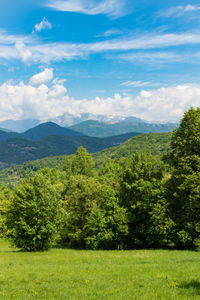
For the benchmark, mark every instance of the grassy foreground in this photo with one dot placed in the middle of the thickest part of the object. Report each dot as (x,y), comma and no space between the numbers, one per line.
(70,274)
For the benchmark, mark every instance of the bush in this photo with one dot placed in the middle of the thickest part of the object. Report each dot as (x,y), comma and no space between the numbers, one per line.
(34,214)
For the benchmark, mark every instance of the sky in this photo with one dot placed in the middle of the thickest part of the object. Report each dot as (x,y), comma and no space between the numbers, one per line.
(112,57)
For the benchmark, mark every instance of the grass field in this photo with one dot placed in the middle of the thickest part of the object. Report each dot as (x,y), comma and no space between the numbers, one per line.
(72,274)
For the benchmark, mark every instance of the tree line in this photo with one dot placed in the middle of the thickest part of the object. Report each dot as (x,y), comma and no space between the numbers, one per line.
(129,203)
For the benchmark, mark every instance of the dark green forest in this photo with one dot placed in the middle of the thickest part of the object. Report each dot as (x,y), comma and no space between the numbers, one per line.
(18,150)
(156,143)
(143,194)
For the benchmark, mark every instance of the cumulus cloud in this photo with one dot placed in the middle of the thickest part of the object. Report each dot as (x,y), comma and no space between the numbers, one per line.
(112,8)
(167,104)
(26,101)
(44,24)
(42,77)
(47,101)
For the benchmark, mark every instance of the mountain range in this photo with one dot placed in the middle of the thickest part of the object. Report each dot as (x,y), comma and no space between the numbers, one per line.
(67,120)
(50,139)
(102,129)
(40,132)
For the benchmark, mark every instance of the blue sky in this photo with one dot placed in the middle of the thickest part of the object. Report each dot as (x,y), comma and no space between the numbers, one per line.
(116,57)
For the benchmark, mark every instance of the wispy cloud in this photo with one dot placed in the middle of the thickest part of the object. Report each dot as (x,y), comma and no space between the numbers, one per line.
(148,41)
(159,57)
(32,50)
(44,24)
(110,32)
(136,83)
(111,8)
(9,39)
(179,10)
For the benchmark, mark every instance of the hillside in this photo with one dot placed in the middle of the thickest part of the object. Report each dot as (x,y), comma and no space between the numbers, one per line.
(5,135)
(157,143)
(101,129)
(39,132)
(17,151)
(46,129)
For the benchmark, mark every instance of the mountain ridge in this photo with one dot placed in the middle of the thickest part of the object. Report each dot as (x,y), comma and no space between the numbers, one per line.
(40,132)
(102,129)
(16,151)
(156,143)
(68,119)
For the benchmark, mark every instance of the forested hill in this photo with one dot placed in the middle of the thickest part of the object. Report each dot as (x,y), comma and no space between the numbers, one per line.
(46,129)
(39,132)
(101,129)
(17,151)
(5,135)
(156,143)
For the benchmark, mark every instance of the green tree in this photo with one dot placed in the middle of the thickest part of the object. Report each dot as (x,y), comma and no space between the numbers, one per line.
(5,199)
(142,194)
(34,214)
(111,172)
(93,218)
(186,139)
(183,186)
(79,196)
(82,162)
(106,226)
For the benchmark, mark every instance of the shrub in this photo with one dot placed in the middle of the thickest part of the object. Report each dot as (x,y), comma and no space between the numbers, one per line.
(34,214)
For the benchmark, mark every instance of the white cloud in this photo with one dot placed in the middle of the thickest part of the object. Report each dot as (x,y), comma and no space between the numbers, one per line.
(44,24)
(9,39)
(179,10)
(42,77)
(23,52)
(59,81)
(23,101)
(69,51)
(31,50)
(136,83)
(159,57)
(149,41)
(166,104)
(112,8)
(110,32)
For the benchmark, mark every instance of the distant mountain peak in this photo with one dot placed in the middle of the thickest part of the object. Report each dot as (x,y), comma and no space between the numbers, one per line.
(46,129)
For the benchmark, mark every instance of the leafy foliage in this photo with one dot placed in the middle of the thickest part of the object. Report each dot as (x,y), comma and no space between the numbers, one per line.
(34,213)
(80,194)
(5,199)
(93,217)
(141,192)
(183,186)
(156,143)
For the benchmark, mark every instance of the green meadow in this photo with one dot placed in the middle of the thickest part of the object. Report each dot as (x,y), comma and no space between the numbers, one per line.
(73,274)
